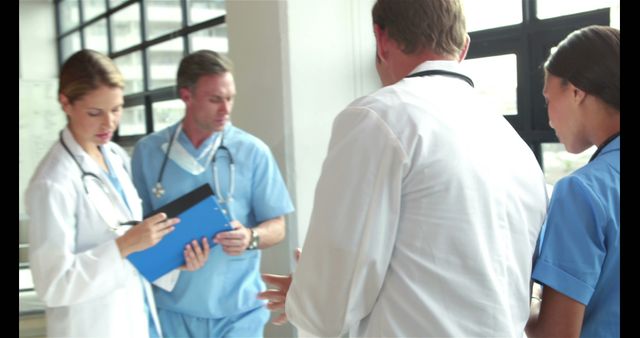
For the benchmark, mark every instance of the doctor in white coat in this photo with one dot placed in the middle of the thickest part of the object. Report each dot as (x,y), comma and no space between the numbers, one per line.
(429,204)
(82,203)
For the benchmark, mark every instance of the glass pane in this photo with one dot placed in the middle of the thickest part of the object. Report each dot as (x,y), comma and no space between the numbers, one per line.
(213,38)
(69,14)
(558,162)
(95,36)
(496,78)
(614,18)
(130,66)
(164,59)
(69,45)
(126,27)
(92,8)
(114,3)
(166,113)
(163,17)
(202,10)
(481,14)
(552,8)
(132,121)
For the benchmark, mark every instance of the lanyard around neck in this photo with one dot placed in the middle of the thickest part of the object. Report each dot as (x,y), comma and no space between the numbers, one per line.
(443,72)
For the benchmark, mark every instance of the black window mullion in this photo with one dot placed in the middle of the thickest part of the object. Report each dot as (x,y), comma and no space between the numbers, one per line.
(56,8)
(109,34)
(185,23)
(148,113)
(147,96)
(81,25)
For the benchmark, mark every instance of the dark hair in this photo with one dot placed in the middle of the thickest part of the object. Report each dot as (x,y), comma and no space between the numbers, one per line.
(85,71)
(417,25)
(197,64)
(589,58)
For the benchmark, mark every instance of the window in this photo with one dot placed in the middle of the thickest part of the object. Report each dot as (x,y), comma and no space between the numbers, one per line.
(557,162)
(496,78)
(552,8)
(478,17)
(505,58)
(146,39)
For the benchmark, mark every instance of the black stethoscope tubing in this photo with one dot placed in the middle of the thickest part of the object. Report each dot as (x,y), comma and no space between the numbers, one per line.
(445,73)
(86,174)
(164,161)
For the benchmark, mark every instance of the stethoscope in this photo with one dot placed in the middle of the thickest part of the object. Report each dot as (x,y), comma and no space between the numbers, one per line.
(159,191)
(443,72)
(91,177)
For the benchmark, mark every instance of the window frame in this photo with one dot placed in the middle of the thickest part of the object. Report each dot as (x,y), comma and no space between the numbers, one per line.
(530,41)
(147,96)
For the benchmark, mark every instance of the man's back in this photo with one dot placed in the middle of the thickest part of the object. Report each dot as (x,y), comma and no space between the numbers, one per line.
(454,203)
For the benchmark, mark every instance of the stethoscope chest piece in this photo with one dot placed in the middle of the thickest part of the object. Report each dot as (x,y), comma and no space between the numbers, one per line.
(158,190)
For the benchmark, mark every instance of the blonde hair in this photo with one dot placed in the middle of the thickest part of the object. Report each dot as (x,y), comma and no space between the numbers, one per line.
(85,71)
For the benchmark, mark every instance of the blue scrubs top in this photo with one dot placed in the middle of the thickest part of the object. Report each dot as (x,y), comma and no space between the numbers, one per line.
(226,285)
(580,249)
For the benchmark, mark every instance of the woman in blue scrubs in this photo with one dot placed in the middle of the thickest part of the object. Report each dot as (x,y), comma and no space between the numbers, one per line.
(578,264)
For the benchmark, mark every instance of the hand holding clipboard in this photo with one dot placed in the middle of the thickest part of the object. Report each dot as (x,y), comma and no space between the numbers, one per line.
(200,216)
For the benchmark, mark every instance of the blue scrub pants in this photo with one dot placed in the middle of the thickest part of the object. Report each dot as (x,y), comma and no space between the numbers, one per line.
(248,324)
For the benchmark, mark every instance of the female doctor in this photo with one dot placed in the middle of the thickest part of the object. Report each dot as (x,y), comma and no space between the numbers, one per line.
(82,203)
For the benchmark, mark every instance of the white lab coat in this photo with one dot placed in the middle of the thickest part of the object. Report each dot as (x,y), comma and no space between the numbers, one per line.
(89,290)
(425,218)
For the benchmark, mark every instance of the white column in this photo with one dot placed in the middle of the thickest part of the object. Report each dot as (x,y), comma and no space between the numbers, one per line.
(297,64)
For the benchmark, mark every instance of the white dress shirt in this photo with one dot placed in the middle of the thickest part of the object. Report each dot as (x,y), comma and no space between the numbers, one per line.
(425,218)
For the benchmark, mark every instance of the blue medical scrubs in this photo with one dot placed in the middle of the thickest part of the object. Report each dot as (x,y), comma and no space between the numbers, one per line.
(580,251)
(220,298)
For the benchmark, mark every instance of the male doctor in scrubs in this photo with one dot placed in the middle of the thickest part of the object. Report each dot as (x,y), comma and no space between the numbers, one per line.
(219,300)
(428,205)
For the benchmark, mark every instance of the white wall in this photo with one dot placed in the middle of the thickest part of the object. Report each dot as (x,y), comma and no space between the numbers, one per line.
(37,44)
(298,63)
(332,63)
(39,114)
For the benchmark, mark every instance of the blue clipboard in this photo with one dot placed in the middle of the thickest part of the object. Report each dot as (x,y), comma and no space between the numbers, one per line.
(200,216)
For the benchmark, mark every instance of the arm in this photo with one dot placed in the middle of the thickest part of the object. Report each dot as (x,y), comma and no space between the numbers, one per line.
(146,234)
(269,203)
(235,242)
(569,264)
(556,315)
(66,272)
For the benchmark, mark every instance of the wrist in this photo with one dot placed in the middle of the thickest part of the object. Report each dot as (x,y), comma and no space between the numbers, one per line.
(123,246)
(254,240)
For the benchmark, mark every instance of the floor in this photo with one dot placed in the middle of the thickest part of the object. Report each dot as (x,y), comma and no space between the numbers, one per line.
(31,319)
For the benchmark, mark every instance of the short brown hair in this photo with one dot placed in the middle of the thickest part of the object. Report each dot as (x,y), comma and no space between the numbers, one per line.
(86,70)
(200,63)
(418,25)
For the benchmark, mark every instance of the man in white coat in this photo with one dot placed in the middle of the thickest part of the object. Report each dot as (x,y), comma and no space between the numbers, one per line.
(429,204)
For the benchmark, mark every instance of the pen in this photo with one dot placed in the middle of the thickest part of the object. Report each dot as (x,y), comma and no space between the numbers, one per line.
(130,222)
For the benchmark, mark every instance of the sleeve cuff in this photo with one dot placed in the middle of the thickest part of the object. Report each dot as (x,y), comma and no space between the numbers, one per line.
(549,275)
